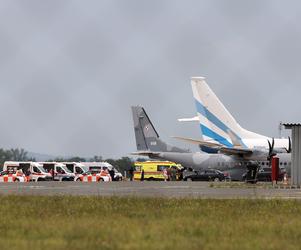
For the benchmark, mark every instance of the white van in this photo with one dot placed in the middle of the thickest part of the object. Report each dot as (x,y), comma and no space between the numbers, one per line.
(83,173)
(104,167)
(33,170)
(58,171)
(76,167)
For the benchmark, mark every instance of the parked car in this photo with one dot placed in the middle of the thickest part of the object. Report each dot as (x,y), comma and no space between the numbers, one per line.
(204,175)
(265,174)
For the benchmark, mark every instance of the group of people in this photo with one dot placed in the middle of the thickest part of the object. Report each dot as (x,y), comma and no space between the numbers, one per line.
(170,174)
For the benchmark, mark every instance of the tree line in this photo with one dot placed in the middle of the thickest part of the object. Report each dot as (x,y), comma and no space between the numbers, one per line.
(123,164)
(14,154)
(19,154)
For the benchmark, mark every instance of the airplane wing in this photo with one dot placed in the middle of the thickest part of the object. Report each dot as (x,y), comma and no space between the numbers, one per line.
(199,142)
(236,151)
(220,147)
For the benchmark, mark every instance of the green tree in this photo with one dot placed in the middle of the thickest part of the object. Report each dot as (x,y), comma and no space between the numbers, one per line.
(18,154)
(96,158)
(122,164)
(13,154)
(72,159)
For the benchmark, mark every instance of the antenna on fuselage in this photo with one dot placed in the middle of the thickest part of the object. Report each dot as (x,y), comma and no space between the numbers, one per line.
(280,129)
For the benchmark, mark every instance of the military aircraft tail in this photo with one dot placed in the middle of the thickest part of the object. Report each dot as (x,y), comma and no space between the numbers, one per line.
(147,138)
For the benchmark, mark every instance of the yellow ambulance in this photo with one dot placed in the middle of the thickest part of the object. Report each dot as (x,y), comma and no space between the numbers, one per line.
(153,170)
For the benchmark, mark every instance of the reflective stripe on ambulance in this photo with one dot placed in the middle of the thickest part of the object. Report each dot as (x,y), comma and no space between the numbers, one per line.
(7,178)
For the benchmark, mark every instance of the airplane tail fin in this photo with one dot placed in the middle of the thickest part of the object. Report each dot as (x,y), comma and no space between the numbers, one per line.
(147,138)
(216,122)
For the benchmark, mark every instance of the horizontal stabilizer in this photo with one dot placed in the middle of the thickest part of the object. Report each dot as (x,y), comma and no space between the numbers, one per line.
(193,119)
(146,153)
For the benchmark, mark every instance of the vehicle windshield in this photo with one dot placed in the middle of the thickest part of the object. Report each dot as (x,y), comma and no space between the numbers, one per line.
(43,170)
(85,168)
(66,169)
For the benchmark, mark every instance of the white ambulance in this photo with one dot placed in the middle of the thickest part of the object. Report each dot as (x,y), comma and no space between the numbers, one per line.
(32,170)
(58,171)
(104,168)
(82,173)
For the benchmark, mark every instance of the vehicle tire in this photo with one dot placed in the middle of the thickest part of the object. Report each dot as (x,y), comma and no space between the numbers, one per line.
(216,179)
(100,180)
(78,179)
(17,180)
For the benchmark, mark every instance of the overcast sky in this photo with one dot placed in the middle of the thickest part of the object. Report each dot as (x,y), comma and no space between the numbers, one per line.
(70,70)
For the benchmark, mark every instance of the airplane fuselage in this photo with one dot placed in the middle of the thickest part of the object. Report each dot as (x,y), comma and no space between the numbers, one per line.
(282,143)
(234,165)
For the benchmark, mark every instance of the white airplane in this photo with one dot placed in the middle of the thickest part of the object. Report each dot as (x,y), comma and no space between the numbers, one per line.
(222,132)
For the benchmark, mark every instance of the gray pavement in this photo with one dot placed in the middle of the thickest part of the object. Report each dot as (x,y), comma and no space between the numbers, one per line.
(150,189)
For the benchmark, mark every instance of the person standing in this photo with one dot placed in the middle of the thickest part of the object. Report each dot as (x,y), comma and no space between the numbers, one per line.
(165,175)
(142,175)
(131,173)
(112,174)
(173,174)
(180,174)
(168,174)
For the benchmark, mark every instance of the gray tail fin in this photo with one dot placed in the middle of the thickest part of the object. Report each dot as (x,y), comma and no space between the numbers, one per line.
(147,138)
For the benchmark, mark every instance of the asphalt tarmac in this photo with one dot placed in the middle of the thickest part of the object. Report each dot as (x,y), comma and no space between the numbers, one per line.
(151,189)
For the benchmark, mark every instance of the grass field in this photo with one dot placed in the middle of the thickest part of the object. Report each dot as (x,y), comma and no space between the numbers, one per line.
(65,222)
